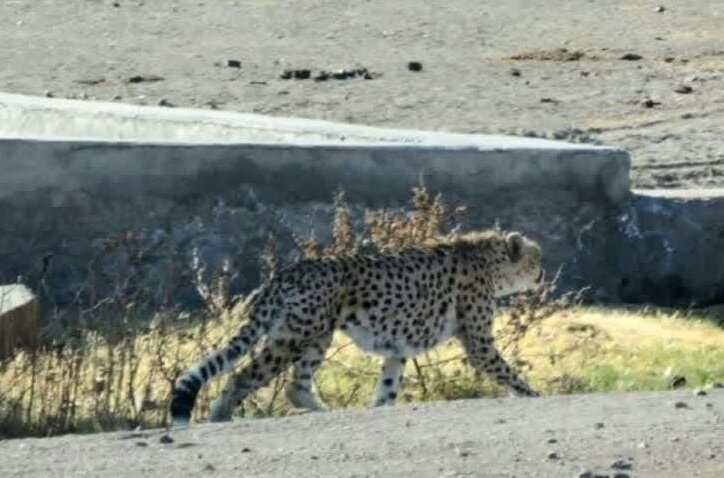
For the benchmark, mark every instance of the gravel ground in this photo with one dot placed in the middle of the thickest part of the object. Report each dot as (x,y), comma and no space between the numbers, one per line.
(644,75)
(670,434)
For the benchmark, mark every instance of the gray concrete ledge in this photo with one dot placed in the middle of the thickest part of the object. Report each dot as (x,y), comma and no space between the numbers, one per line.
(217,183)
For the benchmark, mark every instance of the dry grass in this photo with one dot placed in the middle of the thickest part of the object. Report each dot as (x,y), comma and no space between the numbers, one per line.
(120,374)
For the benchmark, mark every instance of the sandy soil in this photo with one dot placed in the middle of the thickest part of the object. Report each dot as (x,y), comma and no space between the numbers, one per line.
(667,107)
(674,434)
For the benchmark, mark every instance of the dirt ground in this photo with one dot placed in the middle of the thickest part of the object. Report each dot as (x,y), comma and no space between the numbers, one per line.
(644,75)
(672,434)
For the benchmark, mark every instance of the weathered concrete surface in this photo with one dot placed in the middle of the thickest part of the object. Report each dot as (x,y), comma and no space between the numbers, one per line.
(21,319)
(636,434)
(63,198)
(672,247)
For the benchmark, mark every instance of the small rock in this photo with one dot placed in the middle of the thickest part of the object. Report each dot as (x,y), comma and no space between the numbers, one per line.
(681,405)
(548,100)
(246,450)
(590,474)
(209,467)
(649,103)
(286,75)
(166,439)
(414,66)
(91,81)
(599,425)
(642,445)
(684,89)
(314,457)
(621,465)
(141,444)
(166,103)
(660,9)
(463,453)
(631,57)
(675,439)
(677,381)
(553,456)
(49,94)
(322,76)
(116,4)
(233,63)
(302,74)
(717,385)
(669,59)
(585,73)
(621,475)
(515,72)
(699,392)
(552,440)
(144,79)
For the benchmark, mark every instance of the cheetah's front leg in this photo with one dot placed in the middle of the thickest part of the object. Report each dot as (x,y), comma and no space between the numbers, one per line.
(389,381)
(485,358)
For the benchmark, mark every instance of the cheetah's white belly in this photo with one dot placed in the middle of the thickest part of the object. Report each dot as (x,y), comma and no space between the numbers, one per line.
(399,346)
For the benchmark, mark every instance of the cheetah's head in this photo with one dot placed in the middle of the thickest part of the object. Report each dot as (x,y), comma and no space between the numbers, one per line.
(517,265)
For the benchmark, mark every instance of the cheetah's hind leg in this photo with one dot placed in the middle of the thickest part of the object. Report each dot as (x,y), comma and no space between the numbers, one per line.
(299,391)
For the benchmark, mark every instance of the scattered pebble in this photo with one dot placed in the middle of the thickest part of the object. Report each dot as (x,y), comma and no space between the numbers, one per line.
(515,72)
(166,103)
(717,385)
(144,79)
(463,453)
(621,475)
(246,450)
(681,405)
(631,57)
(684,89)
(621,465)
(90,81)
(166,439)
(49,94)
(344,74)
(649,103)
(660,9)
(677,381)
(669,59)
(548,100)
(414,66)
(233,63)
(590,474)
(314,457)
(141,444)
(209,467)
(553,456)
(598,425)
(699,392)
(552,440)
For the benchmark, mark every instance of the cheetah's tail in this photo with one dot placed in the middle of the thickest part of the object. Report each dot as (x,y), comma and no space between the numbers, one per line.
(217,362)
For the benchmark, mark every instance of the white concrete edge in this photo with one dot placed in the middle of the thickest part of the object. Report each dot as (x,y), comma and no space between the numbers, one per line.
(704,193)
(40,118)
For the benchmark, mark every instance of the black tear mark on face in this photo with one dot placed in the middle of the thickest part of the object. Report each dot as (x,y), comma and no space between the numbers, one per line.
(514,243)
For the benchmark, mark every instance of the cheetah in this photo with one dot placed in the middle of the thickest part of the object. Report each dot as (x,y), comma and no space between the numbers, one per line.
(395,305)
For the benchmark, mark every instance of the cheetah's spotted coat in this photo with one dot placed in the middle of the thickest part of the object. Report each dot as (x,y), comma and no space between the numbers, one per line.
(395,305)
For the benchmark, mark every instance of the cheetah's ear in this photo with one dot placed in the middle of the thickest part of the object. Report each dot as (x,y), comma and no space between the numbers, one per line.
(514,243)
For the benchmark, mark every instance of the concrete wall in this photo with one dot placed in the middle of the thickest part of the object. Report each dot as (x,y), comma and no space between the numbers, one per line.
(66,203)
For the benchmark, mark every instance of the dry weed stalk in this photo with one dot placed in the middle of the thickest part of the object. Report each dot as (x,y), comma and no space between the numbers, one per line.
(121,372)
